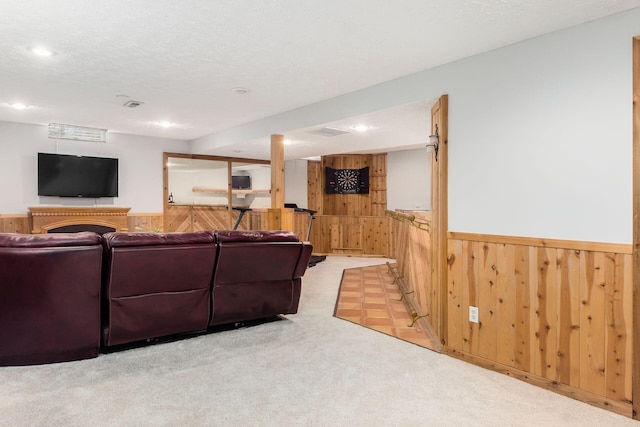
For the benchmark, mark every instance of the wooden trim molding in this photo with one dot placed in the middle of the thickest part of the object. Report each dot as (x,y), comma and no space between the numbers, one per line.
(440,215)
(636,229)
(618,248)
(46,218)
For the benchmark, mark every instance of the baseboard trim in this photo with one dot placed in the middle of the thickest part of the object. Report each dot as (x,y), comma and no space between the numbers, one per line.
(622,408)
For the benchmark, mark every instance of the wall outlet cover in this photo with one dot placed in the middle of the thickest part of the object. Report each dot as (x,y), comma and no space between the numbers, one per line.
(473,314)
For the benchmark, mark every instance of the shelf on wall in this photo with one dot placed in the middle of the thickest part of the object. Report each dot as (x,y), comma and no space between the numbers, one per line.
(222,191)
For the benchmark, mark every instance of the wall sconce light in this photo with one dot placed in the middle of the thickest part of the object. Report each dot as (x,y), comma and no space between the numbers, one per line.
(434,141)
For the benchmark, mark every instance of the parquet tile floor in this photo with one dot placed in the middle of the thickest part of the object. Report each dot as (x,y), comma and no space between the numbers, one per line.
(368,297)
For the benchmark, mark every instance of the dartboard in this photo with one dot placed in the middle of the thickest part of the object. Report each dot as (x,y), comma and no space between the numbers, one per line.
(347,179)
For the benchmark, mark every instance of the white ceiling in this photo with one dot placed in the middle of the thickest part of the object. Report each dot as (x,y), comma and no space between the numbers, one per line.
(182,58)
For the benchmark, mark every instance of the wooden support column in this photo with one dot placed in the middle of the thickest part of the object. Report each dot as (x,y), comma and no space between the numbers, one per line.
(279,218)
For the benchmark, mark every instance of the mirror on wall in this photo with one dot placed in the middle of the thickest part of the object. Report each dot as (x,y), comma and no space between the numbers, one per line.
(198,190)
(197,181)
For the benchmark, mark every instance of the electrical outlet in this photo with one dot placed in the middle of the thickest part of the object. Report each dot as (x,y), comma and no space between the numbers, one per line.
(473,314)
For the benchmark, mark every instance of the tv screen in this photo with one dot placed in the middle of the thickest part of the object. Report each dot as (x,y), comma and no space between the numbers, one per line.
(77,176)
(241,182)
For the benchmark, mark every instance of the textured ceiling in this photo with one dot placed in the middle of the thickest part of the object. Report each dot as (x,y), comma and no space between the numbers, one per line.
(182,58)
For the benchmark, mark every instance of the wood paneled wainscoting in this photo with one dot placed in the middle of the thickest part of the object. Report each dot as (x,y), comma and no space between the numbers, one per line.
(15,223)
(413,255)
(23,224)
(144,222)
(554,313)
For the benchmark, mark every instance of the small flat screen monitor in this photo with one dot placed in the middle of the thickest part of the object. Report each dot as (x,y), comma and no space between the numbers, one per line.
(241,182)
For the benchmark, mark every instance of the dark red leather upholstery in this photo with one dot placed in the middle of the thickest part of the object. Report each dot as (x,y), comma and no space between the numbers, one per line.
(49,297)
(257,275)
(156,284)
(60,294)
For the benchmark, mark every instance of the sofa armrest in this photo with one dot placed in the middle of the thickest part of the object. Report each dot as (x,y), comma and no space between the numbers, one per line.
(50,240)
(303,262)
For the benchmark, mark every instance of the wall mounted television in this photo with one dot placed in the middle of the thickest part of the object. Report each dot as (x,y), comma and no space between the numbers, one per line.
(241,182)
(65,175)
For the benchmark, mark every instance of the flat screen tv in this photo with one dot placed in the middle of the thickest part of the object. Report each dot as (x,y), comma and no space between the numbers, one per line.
(241,182)
(77,176)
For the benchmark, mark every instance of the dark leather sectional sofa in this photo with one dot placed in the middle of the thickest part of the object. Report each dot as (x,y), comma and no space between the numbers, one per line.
(66,296)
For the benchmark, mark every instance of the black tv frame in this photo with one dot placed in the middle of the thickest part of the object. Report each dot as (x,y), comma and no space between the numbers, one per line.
(65,175)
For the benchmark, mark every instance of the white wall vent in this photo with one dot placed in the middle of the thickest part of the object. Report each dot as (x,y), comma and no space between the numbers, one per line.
(79,133)
(132,104)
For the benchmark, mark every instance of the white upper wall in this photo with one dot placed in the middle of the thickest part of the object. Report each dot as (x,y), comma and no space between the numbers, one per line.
(409,179)
(139,168)
(540,132)
(295,183)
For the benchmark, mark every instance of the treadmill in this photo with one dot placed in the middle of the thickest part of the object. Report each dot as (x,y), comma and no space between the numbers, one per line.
(314,258)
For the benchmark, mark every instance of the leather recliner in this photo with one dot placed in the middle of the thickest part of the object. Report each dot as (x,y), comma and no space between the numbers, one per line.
(49,297)
(156,284)
(258,274)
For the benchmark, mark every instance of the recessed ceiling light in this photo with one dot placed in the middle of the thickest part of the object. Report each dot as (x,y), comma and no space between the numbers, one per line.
(240,90)
(288,142)
(19,106)
(41,51)
(163,123)
(361,128)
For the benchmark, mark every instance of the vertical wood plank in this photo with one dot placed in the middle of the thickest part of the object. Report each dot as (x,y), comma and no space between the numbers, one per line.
(487,327)
(616,333)
(543,298)
(568,335)
(470,296)
(592,338)
(455,298)
(523,309)
(505,304)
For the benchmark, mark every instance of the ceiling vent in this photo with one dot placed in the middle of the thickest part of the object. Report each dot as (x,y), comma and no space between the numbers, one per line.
(328,132)
(78,133)
(132,104)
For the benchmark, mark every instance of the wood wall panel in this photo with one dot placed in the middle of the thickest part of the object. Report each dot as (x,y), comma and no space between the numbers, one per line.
(15,223)
(145,222)
(358,236)
(372,204)
(315,180)
(210,218)
(21,223)
(413,259)
(178,218)
(559,314)
(505,300)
